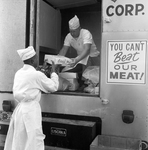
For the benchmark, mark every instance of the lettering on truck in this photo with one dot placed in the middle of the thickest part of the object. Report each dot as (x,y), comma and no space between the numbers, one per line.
(126,10)
(58,131)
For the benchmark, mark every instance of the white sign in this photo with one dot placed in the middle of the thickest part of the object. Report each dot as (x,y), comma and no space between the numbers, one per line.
(126,62)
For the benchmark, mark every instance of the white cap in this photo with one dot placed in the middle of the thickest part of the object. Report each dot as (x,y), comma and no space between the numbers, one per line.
(26,53)
(74,23)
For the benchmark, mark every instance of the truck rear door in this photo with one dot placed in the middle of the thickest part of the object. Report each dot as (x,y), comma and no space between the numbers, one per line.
(124,66)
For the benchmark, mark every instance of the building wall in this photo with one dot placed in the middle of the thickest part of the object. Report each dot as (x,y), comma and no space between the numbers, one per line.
(12,37)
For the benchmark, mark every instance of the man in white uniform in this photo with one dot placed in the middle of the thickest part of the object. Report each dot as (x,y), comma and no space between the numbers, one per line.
(82,41)
(25,129)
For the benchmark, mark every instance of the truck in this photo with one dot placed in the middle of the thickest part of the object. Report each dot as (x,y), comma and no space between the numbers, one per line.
(120,31)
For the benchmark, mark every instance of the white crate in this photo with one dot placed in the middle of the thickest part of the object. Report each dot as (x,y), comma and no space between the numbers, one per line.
(105,142)
(68,75)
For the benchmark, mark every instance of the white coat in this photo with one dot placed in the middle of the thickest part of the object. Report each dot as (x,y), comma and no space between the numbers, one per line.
(25,129)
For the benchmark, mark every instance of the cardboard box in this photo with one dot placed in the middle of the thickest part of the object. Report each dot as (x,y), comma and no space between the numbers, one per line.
(72,78)
(57,59)
(68,75)
(67,133)
(74,84)
(105,142)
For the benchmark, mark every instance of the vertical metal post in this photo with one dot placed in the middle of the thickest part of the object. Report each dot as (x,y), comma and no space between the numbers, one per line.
(37,29)
(32,23)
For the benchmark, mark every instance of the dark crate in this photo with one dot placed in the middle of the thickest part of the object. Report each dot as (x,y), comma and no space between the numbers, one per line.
(68,133)
(3,128)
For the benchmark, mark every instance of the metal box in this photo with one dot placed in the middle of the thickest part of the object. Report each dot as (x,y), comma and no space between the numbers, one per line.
(67,133)
(3,128)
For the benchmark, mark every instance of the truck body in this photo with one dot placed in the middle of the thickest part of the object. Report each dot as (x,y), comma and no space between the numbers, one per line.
(120,30)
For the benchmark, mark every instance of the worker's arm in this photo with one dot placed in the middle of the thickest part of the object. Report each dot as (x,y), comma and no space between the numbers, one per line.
(64,50)
(85,53)
(46,84)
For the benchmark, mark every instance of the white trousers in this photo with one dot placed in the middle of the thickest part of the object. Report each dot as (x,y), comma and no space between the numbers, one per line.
(25,129)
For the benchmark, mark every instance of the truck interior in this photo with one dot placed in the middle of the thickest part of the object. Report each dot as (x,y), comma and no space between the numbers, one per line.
(53,27)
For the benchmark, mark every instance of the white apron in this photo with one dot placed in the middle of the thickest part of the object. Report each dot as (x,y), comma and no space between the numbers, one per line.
(25,128)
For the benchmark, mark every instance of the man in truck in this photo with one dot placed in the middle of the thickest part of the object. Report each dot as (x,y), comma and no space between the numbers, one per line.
(82,41)
(25,129)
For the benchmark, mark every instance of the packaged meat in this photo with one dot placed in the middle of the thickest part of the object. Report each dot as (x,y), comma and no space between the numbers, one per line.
(57,59)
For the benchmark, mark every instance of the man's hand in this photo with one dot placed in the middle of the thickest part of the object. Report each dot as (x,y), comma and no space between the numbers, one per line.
(73,62)
(55,68)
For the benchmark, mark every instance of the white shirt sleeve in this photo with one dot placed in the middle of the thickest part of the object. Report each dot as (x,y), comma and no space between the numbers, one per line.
(87,37)
(46,84)
(67,40)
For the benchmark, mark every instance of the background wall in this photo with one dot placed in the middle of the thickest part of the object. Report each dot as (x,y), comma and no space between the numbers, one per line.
(12,38)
